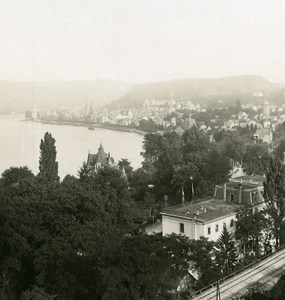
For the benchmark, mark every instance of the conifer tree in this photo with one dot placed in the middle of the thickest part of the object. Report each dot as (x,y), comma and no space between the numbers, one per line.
(274,195)
(47,164)
(226,253)
(84,172)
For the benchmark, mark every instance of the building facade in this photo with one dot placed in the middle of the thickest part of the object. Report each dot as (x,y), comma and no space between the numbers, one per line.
(208,218)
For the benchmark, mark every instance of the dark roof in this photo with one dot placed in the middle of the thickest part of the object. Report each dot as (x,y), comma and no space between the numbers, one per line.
(208,210)
(91,158)
(99,157)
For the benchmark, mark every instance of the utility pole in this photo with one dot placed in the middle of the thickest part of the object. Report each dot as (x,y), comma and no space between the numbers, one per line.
(218,294)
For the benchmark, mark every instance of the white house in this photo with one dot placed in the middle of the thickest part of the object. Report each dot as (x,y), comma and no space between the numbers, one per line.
(205,219)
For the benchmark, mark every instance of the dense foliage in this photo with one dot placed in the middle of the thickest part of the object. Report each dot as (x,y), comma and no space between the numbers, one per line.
(77,239)
(190,161)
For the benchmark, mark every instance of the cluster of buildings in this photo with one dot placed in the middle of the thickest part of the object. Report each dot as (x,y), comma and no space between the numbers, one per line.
(201,218)
(208,218)
(154,110)
(178,116)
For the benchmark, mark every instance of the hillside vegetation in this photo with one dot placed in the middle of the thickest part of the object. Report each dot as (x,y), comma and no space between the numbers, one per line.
(215,92)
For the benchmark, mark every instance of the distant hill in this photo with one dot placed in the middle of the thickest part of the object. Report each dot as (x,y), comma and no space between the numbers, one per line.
(18,96)
(214,92)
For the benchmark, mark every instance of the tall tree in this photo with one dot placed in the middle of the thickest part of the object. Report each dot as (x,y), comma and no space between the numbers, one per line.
(274,195)
(238,106)
(84,172)
(280,150)
(226,252)
(47,164)
(201,257)
(125,166)
(251,229)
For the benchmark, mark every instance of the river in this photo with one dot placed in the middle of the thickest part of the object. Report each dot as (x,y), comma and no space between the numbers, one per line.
(20,141)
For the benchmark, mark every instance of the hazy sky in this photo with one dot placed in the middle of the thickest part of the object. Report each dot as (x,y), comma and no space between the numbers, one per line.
(139,40)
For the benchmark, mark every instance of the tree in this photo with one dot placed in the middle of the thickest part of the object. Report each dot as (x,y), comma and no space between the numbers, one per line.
(256,159)
(14,176)
(274,195)
(194,141)
(113,188)
(216,168)
(280,150)
(47,164)
(145,267)
(201,261)
(233,147)
(163,152)
(139,183)
(238,106)
(84,172)
(226,253)
(125,165)
(183,178)
(251,229)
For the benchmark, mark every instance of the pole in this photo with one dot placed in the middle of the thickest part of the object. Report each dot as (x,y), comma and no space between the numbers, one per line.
(218,294)
(192,189)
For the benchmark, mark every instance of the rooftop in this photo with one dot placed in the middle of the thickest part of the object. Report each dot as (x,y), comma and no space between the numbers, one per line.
(244,185)
(248,181)
(204,211)
(255,178)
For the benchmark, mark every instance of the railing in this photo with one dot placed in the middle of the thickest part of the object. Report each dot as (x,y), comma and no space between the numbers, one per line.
(199,292)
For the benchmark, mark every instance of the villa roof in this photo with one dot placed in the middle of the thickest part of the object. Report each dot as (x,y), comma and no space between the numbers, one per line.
(99,157)
(204,212)
(244,185)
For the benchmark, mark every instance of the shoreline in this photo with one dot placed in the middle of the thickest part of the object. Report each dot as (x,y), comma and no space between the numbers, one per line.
(95,125)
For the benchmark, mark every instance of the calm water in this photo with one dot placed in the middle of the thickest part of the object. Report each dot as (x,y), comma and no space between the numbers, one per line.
(20,141)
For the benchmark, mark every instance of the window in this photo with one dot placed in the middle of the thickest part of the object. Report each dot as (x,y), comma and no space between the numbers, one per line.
(232,198)
(217,227)
(209,230)
(224,225)
(181,227)
(232,222)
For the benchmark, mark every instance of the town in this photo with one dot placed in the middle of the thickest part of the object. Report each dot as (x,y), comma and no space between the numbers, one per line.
(142,150)
(220,192)
(160,116)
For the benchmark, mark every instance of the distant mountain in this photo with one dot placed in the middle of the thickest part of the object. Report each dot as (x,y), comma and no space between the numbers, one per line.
(19,96)
(208,92)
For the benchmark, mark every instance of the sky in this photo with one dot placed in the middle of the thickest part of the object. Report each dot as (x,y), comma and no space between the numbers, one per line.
(141,40)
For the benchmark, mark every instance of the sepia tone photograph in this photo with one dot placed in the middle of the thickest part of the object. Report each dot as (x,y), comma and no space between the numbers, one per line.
(142,150)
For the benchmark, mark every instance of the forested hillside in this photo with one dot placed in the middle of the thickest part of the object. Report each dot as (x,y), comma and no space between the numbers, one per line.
(215,92)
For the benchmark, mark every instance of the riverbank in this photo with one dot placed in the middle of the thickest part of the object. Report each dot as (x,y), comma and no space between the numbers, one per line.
(91,125)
